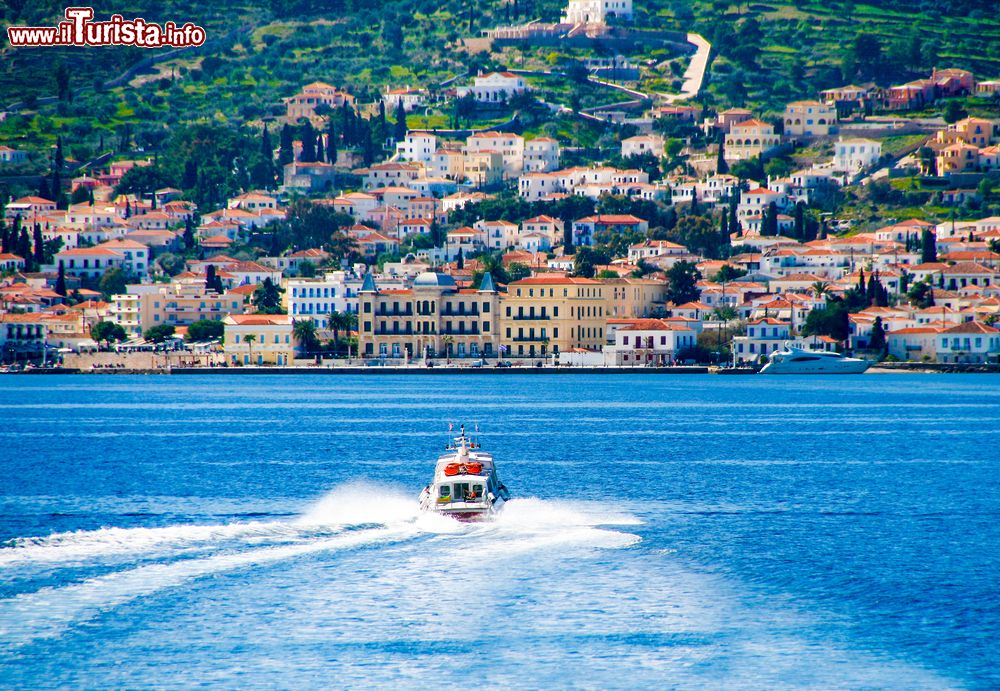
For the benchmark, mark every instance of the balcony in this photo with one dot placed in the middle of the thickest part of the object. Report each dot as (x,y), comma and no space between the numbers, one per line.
(531,317)
(530,339)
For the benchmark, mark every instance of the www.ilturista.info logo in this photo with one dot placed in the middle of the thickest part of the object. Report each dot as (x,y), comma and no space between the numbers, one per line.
(80,30)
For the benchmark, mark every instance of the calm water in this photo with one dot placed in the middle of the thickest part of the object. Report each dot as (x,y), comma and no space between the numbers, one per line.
(668,531)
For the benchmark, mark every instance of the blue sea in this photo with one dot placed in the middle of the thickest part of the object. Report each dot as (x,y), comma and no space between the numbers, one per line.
(666,532)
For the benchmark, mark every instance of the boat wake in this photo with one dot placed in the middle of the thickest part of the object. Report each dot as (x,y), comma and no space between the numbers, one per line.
(133,563)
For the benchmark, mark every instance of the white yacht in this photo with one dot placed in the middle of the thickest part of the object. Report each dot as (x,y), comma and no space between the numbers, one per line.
(792,360)
(465,483)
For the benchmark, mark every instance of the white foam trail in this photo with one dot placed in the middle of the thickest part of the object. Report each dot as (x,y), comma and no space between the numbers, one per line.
(50,611)
(348,505)
(533,514)
(83,545)
(359,503)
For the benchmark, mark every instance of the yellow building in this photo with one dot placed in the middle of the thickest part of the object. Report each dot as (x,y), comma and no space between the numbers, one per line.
(259,339)
(549,314)
(809,118)
(149,305)
(432,319)
(634,298)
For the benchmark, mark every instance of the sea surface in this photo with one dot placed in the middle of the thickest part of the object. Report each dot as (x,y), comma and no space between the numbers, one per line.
(666,532)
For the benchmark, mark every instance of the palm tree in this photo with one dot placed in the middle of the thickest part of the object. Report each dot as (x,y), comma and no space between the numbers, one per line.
(820,288)
(304,331)
(250,338)
(447,340)
(335,321)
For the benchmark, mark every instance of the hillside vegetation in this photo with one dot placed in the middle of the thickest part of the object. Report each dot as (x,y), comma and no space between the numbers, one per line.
(765,54)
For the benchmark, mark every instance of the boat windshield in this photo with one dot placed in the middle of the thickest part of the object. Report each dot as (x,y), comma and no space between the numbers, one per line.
(466,491)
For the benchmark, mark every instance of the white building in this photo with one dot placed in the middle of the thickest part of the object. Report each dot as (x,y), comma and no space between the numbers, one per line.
(541,155)
(9,155)
(417,146)
(643,144)
(410,98)
(648,342)
(763,337)
(855,155)
(509,146)
(335,291)
(495,87)
(596,11)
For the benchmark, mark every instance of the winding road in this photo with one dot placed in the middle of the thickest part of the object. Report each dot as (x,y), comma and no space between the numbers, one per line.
(694,75)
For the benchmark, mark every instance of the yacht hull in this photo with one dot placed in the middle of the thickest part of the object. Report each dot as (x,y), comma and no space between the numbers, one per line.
(836,367)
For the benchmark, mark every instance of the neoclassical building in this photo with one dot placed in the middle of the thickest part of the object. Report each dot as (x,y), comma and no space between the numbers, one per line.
(433,318)
(596,11)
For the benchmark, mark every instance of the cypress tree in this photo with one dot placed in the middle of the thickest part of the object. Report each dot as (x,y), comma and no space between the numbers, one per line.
(39,244)
(4,238)
(369,147)
(190,178)
(381,116)
(286,151)
(928,247)
(188,233)
(721,167)
(871,290)
(210,277)
(734,221)
(800,221)
(400,132)
(877,341)
(694,202)
(24,247)
(308,154)
(862,286)
(61,280)
(331,143)
(460,261)
(43,188)
(266,150)
(724,229)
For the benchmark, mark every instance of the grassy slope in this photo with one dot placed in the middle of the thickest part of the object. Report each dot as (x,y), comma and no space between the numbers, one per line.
(250,76)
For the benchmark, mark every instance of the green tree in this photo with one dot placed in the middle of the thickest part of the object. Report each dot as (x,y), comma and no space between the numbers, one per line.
(158,333)
(953,111)
(250,339)
(728,273)
(399,132)
(304,331)
(267,297)
(337,322)
(61,280)
(877,341)
(921,294)
(205,330)
(928,246)
(587,259)
(107,332)
(113,282)
(682,283)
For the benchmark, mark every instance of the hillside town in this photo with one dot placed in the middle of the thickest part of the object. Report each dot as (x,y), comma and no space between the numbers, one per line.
(486,246)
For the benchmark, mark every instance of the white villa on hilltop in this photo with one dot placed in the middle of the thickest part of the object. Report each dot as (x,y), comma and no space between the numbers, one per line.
(596,11)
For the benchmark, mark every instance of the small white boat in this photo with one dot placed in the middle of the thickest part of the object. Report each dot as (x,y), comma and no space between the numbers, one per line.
(465,483)
(792,360)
